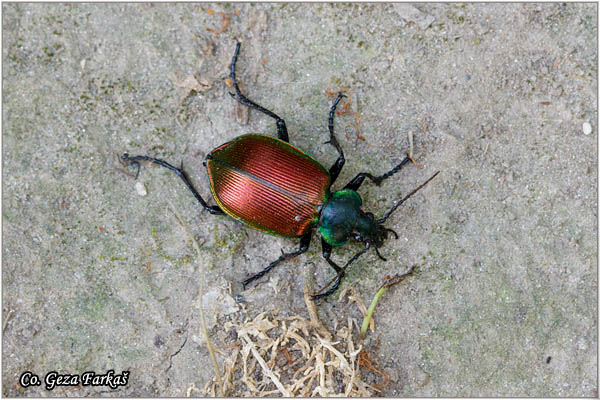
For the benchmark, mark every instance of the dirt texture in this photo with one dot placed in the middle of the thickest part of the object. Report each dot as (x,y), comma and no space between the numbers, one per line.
(99,274)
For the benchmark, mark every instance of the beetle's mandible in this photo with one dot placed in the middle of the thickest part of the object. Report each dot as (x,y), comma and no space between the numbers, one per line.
(270,185)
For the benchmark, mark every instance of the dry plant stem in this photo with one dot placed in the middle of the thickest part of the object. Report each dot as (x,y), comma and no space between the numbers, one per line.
(398,278)
(310,303)
(369,316)
(200,294)
(354,296)
(229,374)
(352,355)
(265,368)
(224,23)
(322,362)
(389,282)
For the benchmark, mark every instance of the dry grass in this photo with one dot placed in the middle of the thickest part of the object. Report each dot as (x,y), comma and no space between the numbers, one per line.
(294,356)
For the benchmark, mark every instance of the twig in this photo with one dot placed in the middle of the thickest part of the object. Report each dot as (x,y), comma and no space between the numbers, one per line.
(389,282)
(310,303)
(265,368)
(200,293)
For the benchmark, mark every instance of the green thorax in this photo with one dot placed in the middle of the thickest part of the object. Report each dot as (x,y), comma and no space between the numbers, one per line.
(341,218)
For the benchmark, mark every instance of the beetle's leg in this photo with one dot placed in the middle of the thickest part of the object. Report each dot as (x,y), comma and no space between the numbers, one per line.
(304,244)
(340,272)
(355,183)
(336,168)
(281,128)
(135,161)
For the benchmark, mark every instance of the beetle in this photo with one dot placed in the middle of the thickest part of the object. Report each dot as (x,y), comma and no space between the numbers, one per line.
(270,185)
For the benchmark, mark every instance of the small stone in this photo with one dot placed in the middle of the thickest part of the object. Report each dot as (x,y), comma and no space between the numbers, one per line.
(510,178)
(587,128)
(413,14)
(140,189)
(557,91)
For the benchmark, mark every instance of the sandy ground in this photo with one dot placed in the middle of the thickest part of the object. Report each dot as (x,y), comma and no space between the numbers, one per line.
(98,277)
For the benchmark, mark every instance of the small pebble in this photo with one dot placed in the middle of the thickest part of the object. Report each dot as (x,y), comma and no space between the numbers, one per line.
(510,177)
(587,128)
(140,189)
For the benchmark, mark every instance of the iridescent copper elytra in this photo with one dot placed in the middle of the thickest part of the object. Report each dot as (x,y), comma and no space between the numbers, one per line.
(270,185)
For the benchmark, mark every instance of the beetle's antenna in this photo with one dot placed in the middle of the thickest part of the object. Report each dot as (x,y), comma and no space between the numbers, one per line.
(387,215)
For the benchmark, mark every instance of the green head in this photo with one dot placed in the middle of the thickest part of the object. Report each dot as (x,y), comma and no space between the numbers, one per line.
(342,219)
